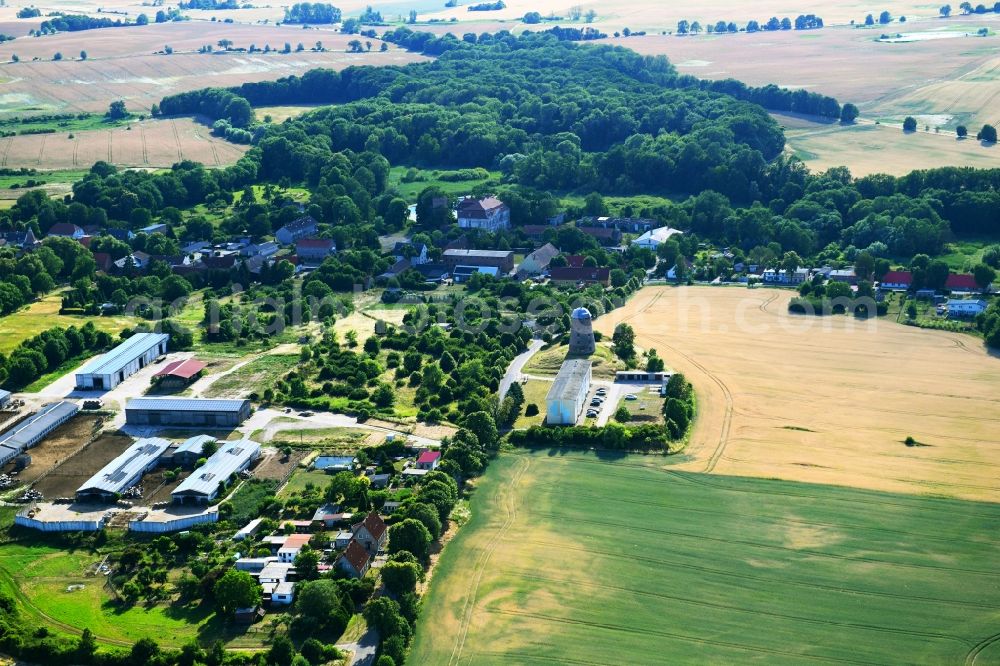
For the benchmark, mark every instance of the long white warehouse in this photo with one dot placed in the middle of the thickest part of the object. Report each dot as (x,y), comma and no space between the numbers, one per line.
(568,395)
(35,428)
(103,373)
(206,482)
(124,471)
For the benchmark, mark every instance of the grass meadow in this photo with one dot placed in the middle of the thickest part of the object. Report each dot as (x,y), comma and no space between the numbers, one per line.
(577,558)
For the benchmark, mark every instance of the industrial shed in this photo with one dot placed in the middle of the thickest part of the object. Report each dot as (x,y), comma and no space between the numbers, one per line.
(186,412)
(207,481)
(107,371)
(172,519)
(568,394)
(35,428)
(124,471)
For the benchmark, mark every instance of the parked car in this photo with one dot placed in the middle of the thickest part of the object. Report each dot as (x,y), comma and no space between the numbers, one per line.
(631,396)
(591,413)
(602,391)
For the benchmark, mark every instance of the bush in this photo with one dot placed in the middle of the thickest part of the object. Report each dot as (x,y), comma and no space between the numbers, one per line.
(531,410)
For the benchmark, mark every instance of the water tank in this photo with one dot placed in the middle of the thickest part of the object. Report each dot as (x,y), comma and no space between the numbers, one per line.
(581,334)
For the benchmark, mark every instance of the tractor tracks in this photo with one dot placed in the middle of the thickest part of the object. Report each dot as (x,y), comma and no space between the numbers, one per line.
(506,500)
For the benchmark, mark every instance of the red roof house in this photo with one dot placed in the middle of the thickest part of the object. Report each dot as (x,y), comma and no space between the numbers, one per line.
(961,282)
(429,460)
(355,560)
(897,280)
(372,532)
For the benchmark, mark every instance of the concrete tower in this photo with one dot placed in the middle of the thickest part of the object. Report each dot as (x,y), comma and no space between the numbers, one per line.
(581,333)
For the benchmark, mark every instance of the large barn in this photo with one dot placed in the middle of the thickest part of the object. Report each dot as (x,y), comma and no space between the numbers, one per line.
(201,412)
(206,482)
(103,373)
(34,429)
(124,471)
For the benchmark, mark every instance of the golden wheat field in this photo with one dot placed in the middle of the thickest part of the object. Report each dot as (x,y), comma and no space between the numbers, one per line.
(826,400)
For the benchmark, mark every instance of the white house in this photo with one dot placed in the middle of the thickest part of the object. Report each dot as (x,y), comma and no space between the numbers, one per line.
(429,460)
(417,256)
(965,308)
(300,228)
(654,237)
(568,395)
(489,214)
(283,594)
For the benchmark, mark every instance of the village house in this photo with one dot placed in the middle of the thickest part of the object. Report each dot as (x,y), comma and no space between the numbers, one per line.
(300,228)
(293,544)
(487,214)
(415,253)
(961,282)
(798,276)
(429,460)
(538,261)
(20,239)
(314,249)
(583,274)
(66,230)
(371,533)
(965,309)
(897,280)
(355,560)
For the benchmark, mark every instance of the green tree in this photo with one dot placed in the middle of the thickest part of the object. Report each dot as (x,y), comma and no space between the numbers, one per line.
(401,577)
(984,275)
(988,134)
(484,428)
(937,274)
(623,339)
(83,55)
(410,535)
(235,589)
(910,124)
(282,652)
(426,514)
(848,113)
(962,131)
(117,110)
(622,415)
(307,563)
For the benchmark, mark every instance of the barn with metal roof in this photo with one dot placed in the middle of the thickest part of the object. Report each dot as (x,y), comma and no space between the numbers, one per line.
(103,373)
(206,482)
(36,427)
(124,471)
(203,412)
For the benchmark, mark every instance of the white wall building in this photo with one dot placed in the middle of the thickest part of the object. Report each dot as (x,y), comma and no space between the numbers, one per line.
(489,214)
(654,237)
(568,395)
(107,371)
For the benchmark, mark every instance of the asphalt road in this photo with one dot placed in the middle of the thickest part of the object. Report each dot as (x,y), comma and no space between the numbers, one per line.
(513,373)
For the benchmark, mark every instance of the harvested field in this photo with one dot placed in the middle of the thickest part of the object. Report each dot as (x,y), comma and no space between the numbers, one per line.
(125,66)
(61,444)
(147,143)
(577,558)
(825,399)
(656,16)
(869,148)
(74,471)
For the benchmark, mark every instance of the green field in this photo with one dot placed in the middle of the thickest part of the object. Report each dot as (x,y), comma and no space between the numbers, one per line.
(409,191)
(43,314)
(589,559)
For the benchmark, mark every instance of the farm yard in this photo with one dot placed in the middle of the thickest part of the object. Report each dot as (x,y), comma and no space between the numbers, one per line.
(42,315)
(126,67)
(64,480)
(576,558)
(825,400)
(146,143)
(61,444)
